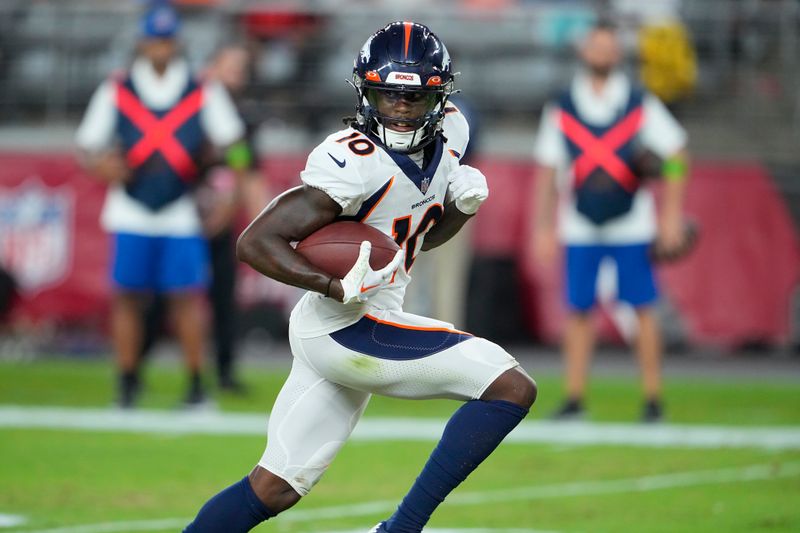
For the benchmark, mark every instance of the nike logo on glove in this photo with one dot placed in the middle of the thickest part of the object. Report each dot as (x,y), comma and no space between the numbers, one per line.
(340,163)
(365,289)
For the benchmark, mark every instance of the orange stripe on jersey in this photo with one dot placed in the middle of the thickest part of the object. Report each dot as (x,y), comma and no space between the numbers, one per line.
(406,38)
(415,328)
(365,217)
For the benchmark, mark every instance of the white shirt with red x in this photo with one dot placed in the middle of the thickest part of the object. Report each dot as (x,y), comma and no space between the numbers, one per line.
(660,133)
(97,132)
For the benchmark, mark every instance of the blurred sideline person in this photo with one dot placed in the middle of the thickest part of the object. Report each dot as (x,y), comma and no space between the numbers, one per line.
(230,184)
(230,187)
(588,145)
(144,133)
(396,167)
(8,295)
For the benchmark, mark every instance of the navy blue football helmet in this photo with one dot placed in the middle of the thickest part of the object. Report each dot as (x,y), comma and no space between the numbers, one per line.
(406,60)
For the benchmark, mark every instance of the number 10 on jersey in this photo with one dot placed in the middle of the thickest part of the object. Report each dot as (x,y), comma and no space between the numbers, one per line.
(401,227)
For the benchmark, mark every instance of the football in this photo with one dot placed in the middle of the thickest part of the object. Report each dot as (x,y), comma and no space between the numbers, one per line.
(334,248)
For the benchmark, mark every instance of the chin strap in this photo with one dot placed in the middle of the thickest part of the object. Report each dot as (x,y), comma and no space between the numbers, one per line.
(400,141)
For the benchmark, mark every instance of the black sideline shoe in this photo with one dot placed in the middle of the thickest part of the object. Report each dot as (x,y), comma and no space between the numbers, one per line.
(570,411)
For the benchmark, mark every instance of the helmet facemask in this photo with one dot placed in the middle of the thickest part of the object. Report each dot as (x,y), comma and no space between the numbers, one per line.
(405,133)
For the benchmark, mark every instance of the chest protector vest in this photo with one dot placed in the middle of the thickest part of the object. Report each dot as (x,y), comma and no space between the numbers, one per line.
(603,158)
(161,146)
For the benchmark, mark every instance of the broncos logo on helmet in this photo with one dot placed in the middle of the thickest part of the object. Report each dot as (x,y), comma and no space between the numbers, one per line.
(403,60)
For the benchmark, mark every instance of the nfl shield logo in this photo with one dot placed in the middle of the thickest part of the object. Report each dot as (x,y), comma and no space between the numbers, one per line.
(36,233)
(424,184)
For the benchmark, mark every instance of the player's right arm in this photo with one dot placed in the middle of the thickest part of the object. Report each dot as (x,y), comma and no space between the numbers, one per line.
(266,243)
(330,189)
(266,246)
(95,137)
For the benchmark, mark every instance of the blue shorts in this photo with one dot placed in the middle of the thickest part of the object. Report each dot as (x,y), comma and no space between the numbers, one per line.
(635,280)
(160,264)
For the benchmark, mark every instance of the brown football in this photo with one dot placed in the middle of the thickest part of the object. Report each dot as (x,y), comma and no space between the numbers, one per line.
(334,248)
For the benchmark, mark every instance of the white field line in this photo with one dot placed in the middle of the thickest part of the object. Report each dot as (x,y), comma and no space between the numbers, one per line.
(8,520)
(560,490)
(402,429)
(170,524)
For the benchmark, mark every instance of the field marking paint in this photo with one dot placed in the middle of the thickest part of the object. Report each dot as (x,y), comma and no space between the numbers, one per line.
(9,520)
(642,484)
(403,429)
(755,472)
(116,527)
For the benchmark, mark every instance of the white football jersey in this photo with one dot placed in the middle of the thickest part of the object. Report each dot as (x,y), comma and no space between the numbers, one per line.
(388,191)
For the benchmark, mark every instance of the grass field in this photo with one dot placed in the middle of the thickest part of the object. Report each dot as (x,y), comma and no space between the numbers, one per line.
(69,481)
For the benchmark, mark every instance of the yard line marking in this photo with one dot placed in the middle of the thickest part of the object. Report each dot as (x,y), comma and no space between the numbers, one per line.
(642,484)
(114,527)
(8,520)
(403,429)
(756,472)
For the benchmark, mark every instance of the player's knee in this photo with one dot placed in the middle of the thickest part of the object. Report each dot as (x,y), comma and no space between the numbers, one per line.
(533,392)
(274,492)
(525,390)
(514,386)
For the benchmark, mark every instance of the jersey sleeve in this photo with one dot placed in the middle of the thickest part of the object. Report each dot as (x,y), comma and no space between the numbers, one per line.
(221,122)
(549,149)
(456,129)
(333,170)
(97,128)
(660,131)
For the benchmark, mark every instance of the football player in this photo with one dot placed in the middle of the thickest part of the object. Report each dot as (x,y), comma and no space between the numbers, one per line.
(396,167)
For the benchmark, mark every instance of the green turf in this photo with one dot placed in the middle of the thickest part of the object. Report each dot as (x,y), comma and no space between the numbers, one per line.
(66,478)
(689,400)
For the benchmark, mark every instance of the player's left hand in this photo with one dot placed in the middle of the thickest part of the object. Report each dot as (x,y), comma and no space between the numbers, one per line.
(469,189)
